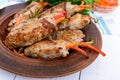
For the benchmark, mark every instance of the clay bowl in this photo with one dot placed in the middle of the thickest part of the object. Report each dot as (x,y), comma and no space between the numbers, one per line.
(44,68)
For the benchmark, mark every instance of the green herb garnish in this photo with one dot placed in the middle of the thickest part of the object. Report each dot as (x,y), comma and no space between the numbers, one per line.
(55,2)
(89,2)
(36,14)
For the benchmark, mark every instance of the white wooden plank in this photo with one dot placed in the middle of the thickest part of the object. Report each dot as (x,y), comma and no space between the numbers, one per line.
(105,68)
(74,76)
(4,75)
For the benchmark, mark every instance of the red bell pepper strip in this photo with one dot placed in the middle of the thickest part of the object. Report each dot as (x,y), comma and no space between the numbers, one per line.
(61,16)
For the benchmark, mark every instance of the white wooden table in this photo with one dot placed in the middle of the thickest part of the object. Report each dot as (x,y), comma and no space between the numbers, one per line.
(103,68)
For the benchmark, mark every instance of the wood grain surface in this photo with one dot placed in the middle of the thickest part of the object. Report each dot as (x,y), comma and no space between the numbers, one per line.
(39,67)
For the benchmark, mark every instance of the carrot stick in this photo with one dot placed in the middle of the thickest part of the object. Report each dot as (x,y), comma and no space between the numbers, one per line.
(80,51)
(15,51)
(19,54)
(18,20)
(72,44)
(84,6)
(43,3)
(83,44)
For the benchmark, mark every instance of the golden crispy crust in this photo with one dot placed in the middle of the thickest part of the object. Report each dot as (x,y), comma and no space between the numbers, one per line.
(71,35)
(33,31)
(50,49)
(77,21)
(47,49)
(53,9)
(25,14)
(29,33)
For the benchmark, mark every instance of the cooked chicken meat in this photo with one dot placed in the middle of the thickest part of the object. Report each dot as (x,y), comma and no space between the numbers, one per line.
(48,34)
(50,49)
(31,11)
(47,49)
(33,30)
(70,35)
(77,21)
(29,32)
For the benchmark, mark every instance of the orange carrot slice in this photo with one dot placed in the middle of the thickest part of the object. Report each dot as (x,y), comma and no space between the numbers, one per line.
(80,51)
(82,7)
(43,3)
(19,54)
(86,45)
(59,19)
(74,46)
(18,20)
(83,44)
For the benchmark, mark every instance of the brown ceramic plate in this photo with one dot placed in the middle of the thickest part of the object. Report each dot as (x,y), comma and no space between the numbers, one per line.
(39,67)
